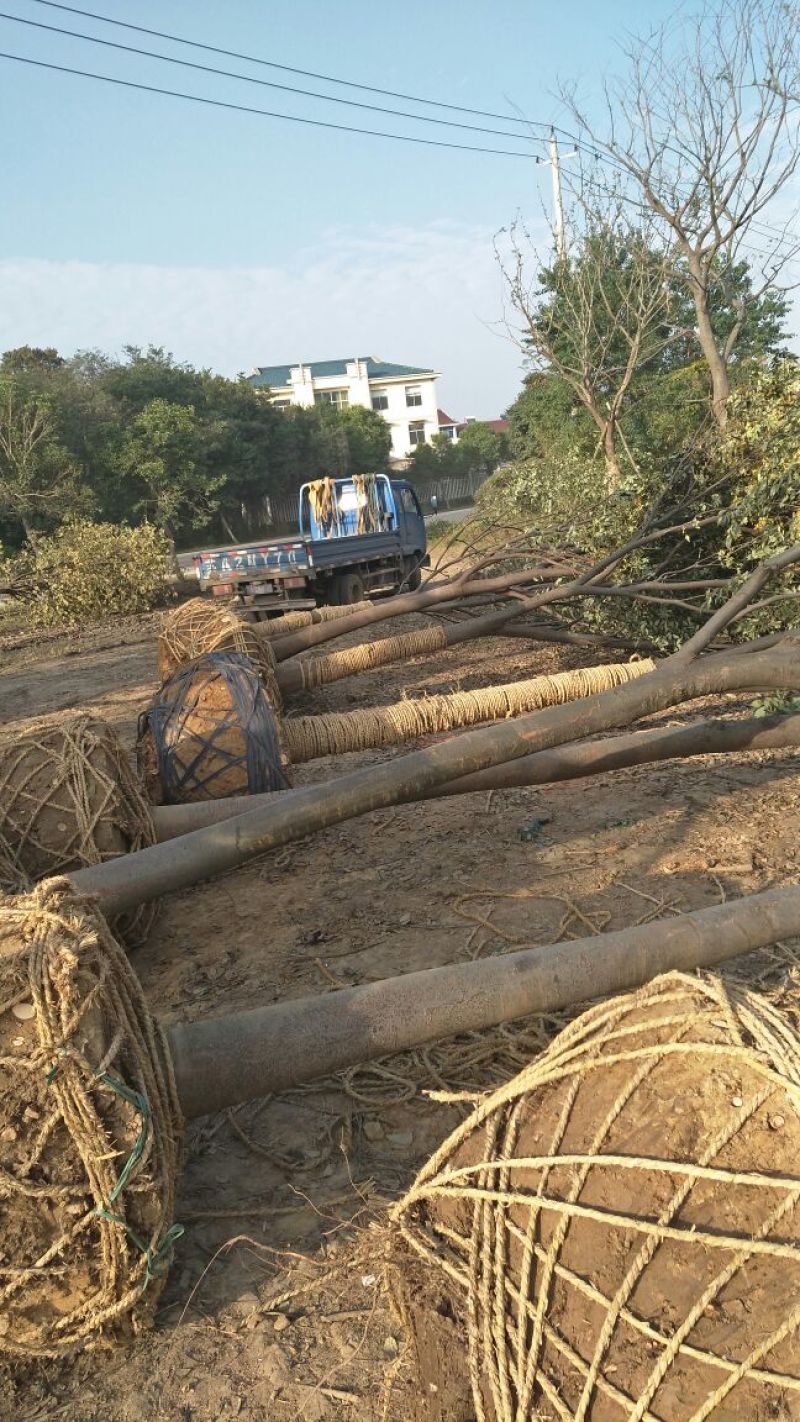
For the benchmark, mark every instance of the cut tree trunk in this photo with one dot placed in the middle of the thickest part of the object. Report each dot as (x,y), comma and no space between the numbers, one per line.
(571,762)
(337,733)
(136,878)
(368,614)
(227,1060)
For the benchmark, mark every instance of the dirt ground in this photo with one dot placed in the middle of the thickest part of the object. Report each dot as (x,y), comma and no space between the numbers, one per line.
(286,1196)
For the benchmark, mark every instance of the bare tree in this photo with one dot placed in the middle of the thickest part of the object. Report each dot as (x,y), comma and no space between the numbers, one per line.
(597,315)
(708,129)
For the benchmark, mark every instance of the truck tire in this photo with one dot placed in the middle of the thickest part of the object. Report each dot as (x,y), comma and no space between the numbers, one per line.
(348,588)
(413,575)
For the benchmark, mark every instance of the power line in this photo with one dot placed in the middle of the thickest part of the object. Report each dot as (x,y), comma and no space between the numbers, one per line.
(762,228)
(263,83)
(263,113)
(288,68)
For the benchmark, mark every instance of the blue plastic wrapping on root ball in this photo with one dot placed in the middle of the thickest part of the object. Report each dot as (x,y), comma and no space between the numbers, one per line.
(188,752)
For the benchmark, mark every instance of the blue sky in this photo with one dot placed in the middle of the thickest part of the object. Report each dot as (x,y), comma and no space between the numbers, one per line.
(236,240)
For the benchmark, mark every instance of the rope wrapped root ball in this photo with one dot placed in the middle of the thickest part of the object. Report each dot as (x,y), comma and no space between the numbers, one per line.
(211,733)
(69,797)
(199,626)
(90,1131)
(615,1234)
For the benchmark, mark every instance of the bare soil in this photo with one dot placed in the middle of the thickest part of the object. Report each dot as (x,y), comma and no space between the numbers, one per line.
(286,1196)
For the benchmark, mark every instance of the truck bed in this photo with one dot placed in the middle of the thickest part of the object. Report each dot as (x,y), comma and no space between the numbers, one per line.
(286,557)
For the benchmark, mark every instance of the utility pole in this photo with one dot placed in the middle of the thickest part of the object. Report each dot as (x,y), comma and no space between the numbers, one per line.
(558,203)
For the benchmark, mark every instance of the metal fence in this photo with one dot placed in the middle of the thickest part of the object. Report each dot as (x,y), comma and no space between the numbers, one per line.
(282,512)
(456,488)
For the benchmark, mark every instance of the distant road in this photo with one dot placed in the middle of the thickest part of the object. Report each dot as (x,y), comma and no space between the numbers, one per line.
(450,515)
(185,559)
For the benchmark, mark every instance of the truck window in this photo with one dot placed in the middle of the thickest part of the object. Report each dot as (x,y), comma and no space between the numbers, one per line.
(408,501)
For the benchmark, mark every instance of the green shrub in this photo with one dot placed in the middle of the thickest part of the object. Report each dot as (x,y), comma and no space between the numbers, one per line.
(86,572)
(739,491)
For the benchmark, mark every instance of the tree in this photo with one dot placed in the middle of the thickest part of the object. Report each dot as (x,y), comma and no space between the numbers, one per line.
(547,419)
(152,374)
(437,459)
(362,437)
(707,133)
(597,315)
(480,446)
(162,456)
(25,360)
(38,482)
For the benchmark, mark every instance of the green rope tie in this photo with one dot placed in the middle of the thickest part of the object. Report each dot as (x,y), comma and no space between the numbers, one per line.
(155,1259)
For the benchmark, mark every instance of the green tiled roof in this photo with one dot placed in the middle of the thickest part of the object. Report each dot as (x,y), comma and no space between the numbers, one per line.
(277,376)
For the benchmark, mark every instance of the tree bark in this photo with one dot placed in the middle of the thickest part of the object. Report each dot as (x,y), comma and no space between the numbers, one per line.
(289,644)
(30,532)
(548,767)
(717,365)
(613,472)
(228,1060)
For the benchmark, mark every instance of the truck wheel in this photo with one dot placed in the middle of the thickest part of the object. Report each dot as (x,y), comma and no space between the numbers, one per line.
(348,588)
(413,577)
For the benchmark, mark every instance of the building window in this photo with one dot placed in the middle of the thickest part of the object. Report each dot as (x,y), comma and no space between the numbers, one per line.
(413,395)
(416,432)
(339,399)
(449,431)
(380,400)
(281,404)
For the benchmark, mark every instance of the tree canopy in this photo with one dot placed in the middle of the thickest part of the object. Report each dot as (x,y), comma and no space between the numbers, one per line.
(147,438)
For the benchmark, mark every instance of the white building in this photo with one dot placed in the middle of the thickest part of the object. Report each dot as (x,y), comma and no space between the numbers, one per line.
(404,395)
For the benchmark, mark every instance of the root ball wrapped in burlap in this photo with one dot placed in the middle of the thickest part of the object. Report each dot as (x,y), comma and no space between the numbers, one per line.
(211,732)
(200,626)
(615,1234)
(90,1131)
(69,797)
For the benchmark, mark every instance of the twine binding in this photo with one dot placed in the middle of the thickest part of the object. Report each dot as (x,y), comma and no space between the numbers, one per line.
(194,750)
(547,1306)
(91,1131)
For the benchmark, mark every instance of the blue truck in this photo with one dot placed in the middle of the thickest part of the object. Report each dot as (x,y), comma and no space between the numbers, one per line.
(358,536)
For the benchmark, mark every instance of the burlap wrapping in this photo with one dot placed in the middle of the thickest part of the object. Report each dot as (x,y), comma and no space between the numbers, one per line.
(90,1131)
(615,1233)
